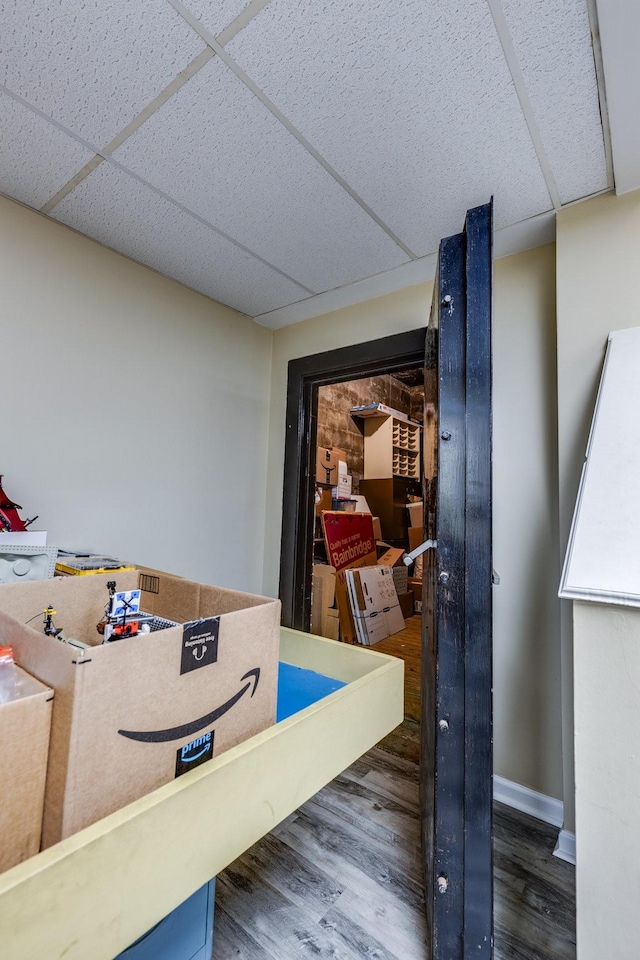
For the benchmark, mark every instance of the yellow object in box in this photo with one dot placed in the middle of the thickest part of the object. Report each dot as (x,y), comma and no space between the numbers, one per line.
(81,566)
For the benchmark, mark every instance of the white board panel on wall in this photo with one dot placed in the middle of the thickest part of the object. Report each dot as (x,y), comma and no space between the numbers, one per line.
(603,556)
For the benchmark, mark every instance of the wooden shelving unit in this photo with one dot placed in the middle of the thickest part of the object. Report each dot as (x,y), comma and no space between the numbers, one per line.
(392,448)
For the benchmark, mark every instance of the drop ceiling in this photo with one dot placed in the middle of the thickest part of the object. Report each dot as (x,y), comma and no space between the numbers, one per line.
(279,152)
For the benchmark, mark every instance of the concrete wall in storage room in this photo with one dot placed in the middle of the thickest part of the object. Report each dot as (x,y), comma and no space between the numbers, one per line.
(135,411)
(526,608)
(336,426)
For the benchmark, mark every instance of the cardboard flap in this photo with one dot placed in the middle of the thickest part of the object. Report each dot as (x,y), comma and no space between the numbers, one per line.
(390,557)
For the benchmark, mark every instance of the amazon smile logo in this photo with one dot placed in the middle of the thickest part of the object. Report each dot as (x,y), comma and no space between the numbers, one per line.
(188,729)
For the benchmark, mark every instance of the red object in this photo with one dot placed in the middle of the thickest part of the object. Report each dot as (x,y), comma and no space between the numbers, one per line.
(10,521)
(129,629)
(349,538)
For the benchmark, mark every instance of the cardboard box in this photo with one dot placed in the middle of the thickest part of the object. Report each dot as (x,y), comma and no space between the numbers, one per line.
(324,616)
(377,529)
(393,557)
(407,603)
(416,537)
(24,744)
(390,556)
(374,603)
(322,498)
(400,578)
(416,514)
(131,715)
(415,585)
(327,461)
(331,628)
(350,543)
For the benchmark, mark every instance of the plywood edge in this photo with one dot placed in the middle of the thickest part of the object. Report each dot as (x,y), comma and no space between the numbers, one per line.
(342,661)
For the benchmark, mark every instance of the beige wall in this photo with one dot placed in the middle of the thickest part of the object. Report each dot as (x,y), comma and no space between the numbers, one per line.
(102,346)
(134,415)
(527,702)
(598,290)
(598,283)
(527,665)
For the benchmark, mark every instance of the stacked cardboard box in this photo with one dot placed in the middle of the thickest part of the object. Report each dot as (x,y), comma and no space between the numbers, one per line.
(344,487)
(322,498)
(327,465)
(325,620)
(374,603)
(351,545)
(24,743)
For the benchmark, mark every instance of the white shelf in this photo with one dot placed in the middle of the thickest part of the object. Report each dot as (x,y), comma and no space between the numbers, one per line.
(392,448)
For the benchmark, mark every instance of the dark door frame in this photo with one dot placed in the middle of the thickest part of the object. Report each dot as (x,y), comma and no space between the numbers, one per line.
(386,355)
(456,749)
(457,745)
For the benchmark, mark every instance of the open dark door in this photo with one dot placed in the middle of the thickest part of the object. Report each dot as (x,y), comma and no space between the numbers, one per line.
(457,643)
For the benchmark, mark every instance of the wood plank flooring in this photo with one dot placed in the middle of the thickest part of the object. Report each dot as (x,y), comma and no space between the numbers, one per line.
(340,879)
(406,645)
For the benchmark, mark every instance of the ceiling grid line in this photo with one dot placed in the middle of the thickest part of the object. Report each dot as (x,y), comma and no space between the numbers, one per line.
(176,203)
(225,36)
(233,144)
(179,81)
(598,63)
(504,35)
(516,238)
(244,77)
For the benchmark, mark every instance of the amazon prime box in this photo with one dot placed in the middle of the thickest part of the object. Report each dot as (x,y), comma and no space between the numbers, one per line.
(134,713)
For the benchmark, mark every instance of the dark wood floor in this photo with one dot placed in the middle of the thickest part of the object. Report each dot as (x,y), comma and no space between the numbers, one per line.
(340,878)
(407,645)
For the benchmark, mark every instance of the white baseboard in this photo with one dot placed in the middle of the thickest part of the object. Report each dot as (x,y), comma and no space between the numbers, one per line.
(541,807)
(529,801)
(566,847)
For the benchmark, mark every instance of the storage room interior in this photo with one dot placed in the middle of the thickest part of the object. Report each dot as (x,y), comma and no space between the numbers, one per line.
(386,486)
(193,201)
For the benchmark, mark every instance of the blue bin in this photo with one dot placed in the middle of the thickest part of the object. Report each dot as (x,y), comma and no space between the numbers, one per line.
(185,934)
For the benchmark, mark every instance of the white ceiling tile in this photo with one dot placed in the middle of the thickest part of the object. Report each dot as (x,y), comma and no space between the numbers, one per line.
(220,152)
(122,213)
(410,100)
(92,64)
(215,15)
(36,158)
(552,42)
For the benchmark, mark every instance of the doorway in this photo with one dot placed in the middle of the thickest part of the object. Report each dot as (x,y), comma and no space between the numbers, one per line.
(373,427)
(456,729)
(389,355)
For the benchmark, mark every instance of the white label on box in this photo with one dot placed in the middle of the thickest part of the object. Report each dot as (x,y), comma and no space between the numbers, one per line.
(343,490)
